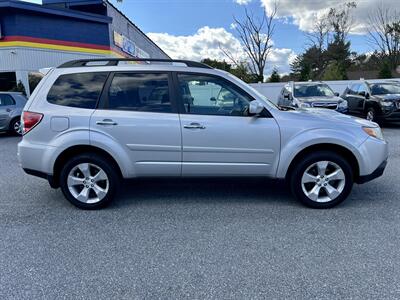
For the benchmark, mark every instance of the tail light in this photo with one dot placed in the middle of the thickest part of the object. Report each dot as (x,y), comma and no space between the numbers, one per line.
(30,120)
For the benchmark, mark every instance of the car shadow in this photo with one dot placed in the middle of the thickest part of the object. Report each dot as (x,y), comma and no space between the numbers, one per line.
(204,190)
(391,125)
(4,134)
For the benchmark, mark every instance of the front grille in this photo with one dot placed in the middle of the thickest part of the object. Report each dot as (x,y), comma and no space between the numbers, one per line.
(329,105)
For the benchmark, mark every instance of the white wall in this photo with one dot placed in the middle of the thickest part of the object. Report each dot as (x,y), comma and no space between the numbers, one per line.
(271,90)
(24,60)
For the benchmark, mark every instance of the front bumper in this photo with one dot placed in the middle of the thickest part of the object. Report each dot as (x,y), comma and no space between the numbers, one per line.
(392,116)
(375,174)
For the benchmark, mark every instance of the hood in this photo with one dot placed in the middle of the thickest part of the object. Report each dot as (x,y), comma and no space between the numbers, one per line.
(388,97)
(319,99)
(329,117)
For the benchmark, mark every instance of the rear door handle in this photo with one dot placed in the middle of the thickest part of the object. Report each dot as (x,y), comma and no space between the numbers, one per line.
(106,122)
(194,126)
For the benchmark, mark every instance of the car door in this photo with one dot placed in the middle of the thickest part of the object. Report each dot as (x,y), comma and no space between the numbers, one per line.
(352,98)
(138,111)
(7,105)
(361,98)
(222,139)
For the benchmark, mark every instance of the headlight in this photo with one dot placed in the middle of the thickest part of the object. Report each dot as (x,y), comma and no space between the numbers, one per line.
(304,104)
(387,103)
(342,104)
(375,132)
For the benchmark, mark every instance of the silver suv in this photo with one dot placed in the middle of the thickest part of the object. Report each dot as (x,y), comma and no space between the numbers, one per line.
(91,123)
(311,94)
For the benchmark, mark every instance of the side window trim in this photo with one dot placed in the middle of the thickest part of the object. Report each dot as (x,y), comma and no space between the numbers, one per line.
(104,100)
(181,105)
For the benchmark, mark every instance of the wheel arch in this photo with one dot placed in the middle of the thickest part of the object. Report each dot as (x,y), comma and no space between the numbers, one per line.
(338,149)
(12,121)
(66,154)
(374,105)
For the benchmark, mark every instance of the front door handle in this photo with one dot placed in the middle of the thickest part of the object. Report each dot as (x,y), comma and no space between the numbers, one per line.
(194,126)
(106,122)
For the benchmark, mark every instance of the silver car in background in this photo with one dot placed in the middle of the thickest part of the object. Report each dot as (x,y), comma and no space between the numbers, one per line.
(311,94)
(92,123)
(11,105)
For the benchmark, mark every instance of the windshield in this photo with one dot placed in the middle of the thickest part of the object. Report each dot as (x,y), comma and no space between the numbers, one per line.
(385,88)
(313,90)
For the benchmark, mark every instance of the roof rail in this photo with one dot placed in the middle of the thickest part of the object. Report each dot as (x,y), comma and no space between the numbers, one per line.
(115,62)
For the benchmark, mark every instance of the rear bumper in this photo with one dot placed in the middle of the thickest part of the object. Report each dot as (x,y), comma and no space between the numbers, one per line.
(375,174)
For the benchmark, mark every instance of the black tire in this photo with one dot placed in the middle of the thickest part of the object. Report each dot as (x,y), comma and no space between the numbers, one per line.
(12,128)
(97,161)
(304,164)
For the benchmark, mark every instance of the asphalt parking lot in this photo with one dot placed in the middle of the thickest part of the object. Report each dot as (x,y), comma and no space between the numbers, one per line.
(218,239)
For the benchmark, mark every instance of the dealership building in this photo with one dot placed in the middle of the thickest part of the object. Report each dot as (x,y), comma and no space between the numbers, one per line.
(34,36)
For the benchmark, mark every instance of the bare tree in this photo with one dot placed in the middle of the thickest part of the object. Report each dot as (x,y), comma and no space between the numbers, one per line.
(318,37)
(384,33)
(341,20)
(256,37)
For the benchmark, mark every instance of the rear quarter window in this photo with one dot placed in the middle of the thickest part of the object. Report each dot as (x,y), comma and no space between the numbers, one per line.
(81,90)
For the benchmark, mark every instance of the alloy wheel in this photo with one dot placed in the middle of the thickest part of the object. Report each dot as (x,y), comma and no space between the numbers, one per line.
(323,181)
(88,183)
(17,127)
(370,115)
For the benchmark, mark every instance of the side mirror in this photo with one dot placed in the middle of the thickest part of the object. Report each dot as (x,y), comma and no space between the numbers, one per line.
(366,95)
(362,93)
(336,94)
(286,96)
(255,107)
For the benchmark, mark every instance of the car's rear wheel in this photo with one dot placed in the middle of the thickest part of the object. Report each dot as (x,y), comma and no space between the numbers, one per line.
(15,126)
(88,181)
(322,179)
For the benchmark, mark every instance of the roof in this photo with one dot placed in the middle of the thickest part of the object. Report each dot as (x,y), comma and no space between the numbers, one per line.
(54,11)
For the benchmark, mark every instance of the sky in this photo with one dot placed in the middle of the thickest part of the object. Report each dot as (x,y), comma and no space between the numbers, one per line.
(197,29)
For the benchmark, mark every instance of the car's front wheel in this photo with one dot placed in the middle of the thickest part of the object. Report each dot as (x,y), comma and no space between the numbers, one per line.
(322,179)
(88,181)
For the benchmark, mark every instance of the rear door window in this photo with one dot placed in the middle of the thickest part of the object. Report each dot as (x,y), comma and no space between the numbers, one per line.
(80,90)
(145,92)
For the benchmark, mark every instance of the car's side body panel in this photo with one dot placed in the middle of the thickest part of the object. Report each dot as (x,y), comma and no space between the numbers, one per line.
(151,142)
(233,146)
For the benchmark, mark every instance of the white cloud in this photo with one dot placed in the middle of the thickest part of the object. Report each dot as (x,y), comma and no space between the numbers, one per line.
(305,12)
(207,43)
(242,2)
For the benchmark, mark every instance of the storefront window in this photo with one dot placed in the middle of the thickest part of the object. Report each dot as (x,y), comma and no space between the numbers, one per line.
(8,81)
